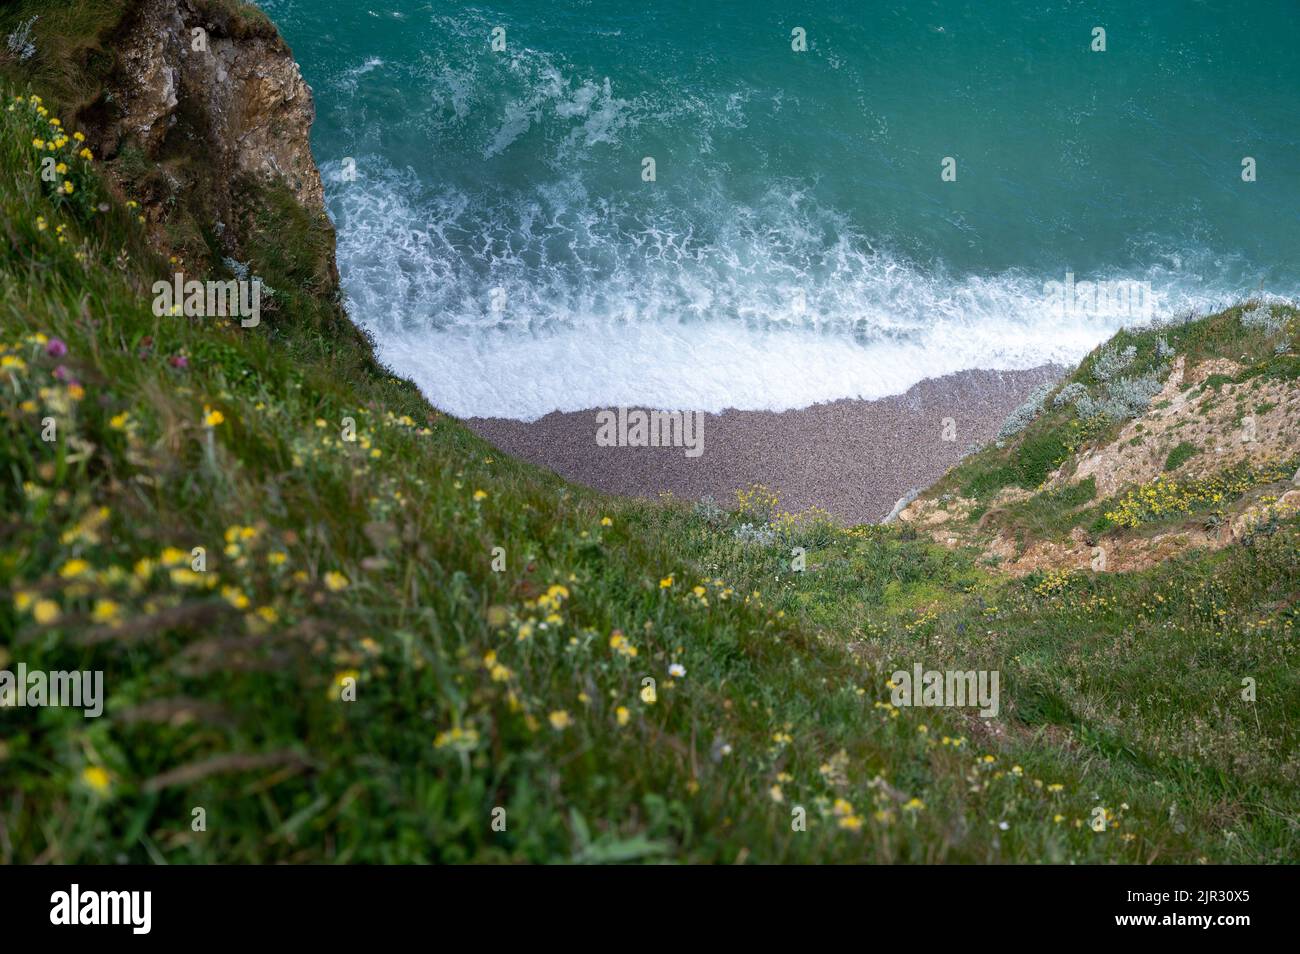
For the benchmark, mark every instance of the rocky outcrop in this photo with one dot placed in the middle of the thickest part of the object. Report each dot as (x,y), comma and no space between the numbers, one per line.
(1251,422)
(213,79)
(1220,417)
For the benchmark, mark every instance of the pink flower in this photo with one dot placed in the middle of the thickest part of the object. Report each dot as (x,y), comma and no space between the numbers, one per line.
(56,348)
(179,361)
(61,373)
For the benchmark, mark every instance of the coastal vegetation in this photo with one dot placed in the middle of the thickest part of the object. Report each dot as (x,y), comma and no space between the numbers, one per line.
(347,630)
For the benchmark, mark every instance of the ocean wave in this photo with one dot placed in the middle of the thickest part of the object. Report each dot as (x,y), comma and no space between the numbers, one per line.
(501,245)
(504,306)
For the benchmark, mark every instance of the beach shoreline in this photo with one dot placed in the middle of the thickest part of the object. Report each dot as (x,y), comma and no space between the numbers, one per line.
(852,458)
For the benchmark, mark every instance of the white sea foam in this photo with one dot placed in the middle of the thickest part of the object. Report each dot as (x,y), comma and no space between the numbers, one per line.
(780,309)
(559,285)
(709,366)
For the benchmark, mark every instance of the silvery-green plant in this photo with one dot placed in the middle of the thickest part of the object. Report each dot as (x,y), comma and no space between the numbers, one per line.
(238,269)
(749,533)
(1124,399)
(20,41)
(1022,416)
(1261,316)
(1086,407)
(1112,361)
(1069,394)
(707,509)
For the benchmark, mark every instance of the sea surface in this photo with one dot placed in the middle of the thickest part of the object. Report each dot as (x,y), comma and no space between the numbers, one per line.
(798,242)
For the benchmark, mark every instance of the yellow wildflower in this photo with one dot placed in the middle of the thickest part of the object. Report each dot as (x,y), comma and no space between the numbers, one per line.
(97,779)
(45,611)
(463,740)
(106,611)
(73,568)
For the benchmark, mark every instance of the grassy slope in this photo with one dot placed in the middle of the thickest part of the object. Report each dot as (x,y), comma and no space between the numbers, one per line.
(1056,434)
(1004,489)
(1120,692)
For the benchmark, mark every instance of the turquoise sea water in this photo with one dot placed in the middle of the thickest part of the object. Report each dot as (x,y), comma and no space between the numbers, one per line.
(798,243)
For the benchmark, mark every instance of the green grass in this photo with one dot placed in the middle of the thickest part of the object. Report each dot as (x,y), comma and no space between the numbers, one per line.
(1026,460)
(1167,500)
(74,45)
(328,561)
(1049,515)
(1025,463)
(1180,455)
(1284,367)
(77,42)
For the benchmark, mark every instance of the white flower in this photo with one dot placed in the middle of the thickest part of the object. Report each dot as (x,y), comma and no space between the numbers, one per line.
(677,671)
